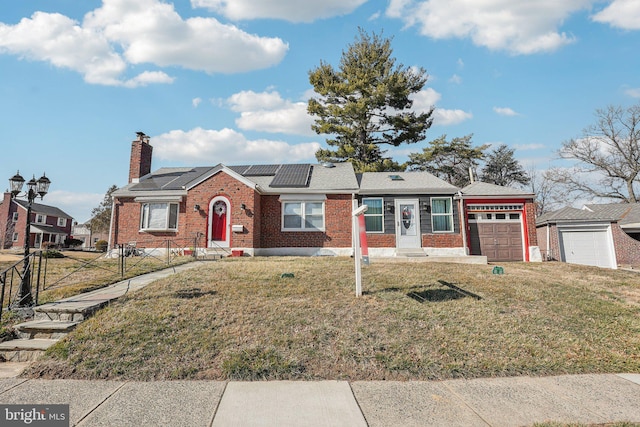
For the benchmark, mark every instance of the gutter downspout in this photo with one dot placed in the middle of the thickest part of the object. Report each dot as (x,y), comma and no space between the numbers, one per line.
(548,241)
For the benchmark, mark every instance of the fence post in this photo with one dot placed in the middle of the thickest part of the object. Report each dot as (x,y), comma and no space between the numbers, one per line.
(168,252)
(4,282)
(39,273)
(121,256)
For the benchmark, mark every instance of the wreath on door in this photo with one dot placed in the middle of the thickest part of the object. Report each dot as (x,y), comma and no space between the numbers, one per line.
(406,217)
(220,208)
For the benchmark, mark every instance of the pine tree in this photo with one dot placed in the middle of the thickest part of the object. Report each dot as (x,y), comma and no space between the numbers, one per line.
(452,161)
(101,215)
(365,104)
(501,168)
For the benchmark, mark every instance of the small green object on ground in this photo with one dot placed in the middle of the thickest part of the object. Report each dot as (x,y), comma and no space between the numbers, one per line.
(498,270)
(287,275)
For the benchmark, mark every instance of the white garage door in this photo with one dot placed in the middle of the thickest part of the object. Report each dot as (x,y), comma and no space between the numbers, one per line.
(591,246)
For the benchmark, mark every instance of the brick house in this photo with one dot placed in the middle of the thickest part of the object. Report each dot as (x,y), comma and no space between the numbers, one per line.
(603,235)
(48,224)
(284,209)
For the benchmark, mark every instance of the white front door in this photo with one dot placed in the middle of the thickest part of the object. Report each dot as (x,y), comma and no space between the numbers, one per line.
(407,223)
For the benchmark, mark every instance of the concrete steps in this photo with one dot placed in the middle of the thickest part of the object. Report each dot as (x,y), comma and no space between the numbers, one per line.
(44,329)
(24,350)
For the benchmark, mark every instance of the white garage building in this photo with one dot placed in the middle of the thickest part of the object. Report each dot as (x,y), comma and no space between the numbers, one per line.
(599,235)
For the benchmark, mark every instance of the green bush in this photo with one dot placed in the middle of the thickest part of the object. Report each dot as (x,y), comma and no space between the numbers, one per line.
(52,253)
(101,245)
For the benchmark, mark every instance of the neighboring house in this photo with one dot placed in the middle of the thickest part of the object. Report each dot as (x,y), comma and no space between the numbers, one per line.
(89,238)
(500,222)
(48,224)
(284,209)
(603,235)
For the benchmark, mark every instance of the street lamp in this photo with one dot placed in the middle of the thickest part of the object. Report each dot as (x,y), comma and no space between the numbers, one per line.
(34,189)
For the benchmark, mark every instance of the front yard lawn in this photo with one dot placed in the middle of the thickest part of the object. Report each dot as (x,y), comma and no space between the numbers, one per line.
(244,318)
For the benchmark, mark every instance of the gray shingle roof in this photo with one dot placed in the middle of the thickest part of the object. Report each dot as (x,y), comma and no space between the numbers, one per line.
(277,179)
(408,182)
(485,189)
(622,213)
(44,209)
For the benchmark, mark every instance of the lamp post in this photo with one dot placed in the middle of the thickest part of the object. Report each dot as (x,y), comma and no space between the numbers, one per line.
(34,189)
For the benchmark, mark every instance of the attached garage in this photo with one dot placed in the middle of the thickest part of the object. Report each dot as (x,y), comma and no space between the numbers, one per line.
(498,222)
(499,239)
(587,245)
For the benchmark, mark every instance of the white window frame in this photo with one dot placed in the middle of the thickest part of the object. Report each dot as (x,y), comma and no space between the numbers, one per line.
(446,214)
(168,206)
(303,210)
(62,222)
(41,219)
(373,215)
(15,237)
(15,217)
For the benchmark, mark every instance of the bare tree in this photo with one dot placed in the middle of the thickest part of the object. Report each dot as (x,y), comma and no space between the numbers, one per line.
(607,156)
(548,196)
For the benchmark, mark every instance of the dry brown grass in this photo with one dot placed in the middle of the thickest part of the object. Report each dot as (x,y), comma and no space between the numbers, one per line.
(240,319)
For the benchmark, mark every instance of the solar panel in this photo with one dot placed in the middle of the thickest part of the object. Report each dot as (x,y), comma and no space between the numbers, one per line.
(261,170)
(292,176)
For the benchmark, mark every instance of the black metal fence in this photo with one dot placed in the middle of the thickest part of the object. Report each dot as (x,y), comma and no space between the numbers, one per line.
(46,272)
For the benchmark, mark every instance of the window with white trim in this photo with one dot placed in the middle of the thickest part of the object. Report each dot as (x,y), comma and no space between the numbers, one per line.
(374,216)
(441,214)
(15,217)
(159,216)
(303,216)
(62,222)
(41,219)
(15,237)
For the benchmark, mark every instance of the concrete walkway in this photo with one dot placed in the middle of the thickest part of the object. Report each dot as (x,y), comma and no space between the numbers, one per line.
(516,401)
(519,401)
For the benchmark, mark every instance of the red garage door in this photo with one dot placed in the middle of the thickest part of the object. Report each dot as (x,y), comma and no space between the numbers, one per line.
(498,241)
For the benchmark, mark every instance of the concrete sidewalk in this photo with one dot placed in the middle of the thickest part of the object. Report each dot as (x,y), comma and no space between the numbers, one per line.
(517,401)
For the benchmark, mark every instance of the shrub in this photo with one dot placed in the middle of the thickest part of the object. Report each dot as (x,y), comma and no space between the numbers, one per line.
(72,243)
(101,245)
(51,253)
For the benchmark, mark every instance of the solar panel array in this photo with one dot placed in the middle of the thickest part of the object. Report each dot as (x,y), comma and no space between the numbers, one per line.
(292,176)
(261,170)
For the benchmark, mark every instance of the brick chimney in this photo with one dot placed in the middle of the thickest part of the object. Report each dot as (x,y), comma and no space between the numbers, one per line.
(140,164)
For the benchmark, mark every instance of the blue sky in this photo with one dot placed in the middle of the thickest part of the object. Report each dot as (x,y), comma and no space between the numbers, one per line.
(226,81)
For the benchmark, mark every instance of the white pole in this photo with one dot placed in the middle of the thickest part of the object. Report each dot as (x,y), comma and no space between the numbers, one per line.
(357,251)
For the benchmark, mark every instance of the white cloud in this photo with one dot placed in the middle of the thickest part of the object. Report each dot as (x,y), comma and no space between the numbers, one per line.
(269,112)
(196,102)
(529,147)
(455,79)
(522,27)
(633,92)
(78,205)
(202,146)
(505,111)
(288,10)
(152,32)
(145,31)
(427,98)
(623,14)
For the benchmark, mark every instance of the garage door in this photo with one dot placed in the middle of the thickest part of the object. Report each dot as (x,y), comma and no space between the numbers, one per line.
(587,247)
(498,241)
